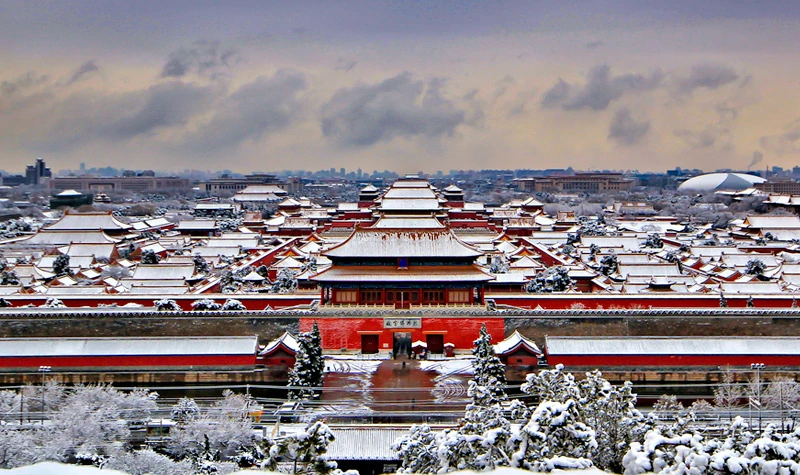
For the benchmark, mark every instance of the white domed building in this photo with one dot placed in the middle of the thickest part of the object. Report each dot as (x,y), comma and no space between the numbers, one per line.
(720,181)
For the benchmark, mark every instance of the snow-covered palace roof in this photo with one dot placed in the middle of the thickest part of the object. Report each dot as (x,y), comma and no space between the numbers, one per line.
(366,242)
(570,345)
(286,341)
(514,342)
(128,346)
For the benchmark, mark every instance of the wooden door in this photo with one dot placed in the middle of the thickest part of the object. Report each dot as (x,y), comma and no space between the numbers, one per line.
(435,343)
(369,344)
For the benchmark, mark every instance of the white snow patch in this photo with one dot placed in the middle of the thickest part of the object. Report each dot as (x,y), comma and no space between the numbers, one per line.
(337,365)
(55,468)
(448,366)
(517,471)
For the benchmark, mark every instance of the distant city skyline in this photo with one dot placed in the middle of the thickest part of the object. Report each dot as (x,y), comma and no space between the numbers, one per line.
(400,85)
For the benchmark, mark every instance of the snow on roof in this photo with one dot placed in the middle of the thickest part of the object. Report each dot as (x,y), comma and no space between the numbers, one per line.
(741,260)
(666,269)
(566,345)
(253,276)
(474,206)
(197,224)
(369,189)
(630,243)
(48,237)
(364,443)
(751,288)
(88,222)
(515,341)
(70,193)
(412,222)
(163,272)
(122,346)
(409,193)
(453,189)
(429,204)
(785,222)
(262,189)
(402,243)
(286,340)
(412,274)
(257,197)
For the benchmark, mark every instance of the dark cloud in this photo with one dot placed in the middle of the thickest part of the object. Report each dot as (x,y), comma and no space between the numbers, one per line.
(84,69)
(600,89)
(202,57)
(698,139)
(786,142)
(264,106)
(594,44)
(502,86)
(396,107)
(160,106)
(705,75)
(345,65)
(26,81)
(718,134)
(625,129)
(89,116)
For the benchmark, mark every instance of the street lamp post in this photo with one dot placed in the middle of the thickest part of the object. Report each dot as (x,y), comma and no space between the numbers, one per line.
(44,370)
(758,367)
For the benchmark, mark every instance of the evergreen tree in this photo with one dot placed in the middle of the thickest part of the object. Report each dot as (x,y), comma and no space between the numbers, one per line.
(150,257)
(309,366)
(61,265)
(201,266)
(489,377)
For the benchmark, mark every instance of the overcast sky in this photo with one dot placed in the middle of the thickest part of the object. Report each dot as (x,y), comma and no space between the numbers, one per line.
(400,85)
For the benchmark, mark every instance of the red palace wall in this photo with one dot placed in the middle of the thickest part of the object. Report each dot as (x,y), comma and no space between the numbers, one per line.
(653,300)
(346,332)
(130,362)
(251,301)
(666,361)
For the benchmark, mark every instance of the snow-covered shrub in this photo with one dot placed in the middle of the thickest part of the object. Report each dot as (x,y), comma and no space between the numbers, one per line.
(53,302)
(755,267)
(285,282)
(499,264)
(205,305)
(554,279)
(147,461)
(233,304)
(166,305)
(150,257)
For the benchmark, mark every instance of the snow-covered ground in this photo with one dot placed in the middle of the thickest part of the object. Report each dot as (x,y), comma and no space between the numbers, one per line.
(345,365)
(54,468)
(459,365)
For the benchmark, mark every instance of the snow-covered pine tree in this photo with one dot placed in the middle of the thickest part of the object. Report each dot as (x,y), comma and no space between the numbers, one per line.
(305,450)
(488,384)
(554,438)
(611,412)
(309,366)
(417,450)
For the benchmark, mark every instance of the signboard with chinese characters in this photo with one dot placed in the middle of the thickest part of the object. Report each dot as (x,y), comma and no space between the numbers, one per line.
(408,322)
